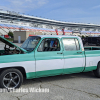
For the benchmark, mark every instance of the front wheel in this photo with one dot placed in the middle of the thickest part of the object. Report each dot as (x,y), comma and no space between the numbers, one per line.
(97,71)
(11,78)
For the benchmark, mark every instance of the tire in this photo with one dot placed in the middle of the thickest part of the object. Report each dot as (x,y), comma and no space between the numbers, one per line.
(97,71)
(11,78)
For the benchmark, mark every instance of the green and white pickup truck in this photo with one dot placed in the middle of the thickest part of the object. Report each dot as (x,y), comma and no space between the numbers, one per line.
(46,55)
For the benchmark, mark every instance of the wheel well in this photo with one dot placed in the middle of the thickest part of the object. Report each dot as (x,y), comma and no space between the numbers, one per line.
(98,64)
(21,69)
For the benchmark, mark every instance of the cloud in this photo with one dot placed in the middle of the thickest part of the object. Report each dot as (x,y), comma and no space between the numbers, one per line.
(5,8)
(96,7)
(29,0)
(23,6)
(68,12)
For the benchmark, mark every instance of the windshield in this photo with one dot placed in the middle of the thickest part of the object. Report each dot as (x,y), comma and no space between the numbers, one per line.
(30,43)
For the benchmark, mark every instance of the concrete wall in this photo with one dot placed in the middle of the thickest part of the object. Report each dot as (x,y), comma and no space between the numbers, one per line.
(24,35)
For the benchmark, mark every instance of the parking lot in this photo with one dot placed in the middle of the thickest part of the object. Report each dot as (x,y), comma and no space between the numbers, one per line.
(81,86)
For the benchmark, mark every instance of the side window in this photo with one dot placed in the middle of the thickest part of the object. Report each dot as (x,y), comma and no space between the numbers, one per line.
(71,44)
(49,44)
(77,44)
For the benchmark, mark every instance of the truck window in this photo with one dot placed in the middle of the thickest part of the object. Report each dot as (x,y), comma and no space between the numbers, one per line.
(31,43)
(49,44)
(77,44)
(71,44)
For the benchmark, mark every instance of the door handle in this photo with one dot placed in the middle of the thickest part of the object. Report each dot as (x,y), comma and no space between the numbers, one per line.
(79,52)
(59,53)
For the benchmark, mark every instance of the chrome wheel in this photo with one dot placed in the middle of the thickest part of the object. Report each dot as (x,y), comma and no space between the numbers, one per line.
(11,80)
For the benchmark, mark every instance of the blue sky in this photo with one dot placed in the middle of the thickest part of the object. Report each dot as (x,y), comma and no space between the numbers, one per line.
(79,11)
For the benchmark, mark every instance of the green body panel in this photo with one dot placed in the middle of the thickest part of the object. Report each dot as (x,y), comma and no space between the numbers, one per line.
(91,48)
(73,70)
(57,71)
(48,55)
(87,69)
(30,75)
(17,58)
(44,73)
(92,53)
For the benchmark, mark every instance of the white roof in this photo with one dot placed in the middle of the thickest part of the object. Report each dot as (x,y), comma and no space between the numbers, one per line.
(48,19)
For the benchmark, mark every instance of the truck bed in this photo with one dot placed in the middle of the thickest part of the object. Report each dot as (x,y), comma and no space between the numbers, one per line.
(92,52)
(88,48)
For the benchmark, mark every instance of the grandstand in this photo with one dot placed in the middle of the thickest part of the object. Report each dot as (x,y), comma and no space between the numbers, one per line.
(12,21)
(5,28)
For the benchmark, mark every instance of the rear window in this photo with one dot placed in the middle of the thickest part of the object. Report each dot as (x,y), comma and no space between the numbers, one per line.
(71,44)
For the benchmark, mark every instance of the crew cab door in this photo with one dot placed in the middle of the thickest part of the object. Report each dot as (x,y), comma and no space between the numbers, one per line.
(74,59)
(49,57)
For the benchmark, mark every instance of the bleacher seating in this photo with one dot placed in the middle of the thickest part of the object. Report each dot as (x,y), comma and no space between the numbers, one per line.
(5,28)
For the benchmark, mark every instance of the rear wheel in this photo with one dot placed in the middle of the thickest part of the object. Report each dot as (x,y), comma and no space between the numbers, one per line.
(11,78)
(97,71)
